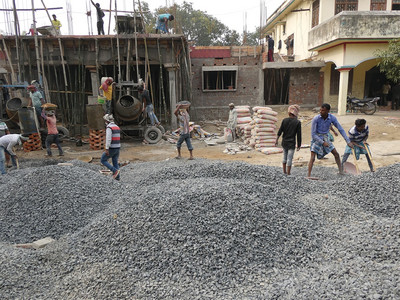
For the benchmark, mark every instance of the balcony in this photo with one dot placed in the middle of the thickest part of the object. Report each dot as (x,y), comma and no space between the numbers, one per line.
(355,25)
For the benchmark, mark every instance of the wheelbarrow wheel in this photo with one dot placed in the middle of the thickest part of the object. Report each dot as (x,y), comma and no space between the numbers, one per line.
(152,135)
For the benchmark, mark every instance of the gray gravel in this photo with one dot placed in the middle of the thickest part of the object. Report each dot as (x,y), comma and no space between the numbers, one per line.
(199,230)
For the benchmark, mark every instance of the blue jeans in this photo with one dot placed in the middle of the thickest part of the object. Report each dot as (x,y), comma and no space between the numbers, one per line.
(2,161)
(114,155)
(150,113)
(186,138)
(50,139)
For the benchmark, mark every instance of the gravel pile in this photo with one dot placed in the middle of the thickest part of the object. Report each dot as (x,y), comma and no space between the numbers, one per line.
(200,230)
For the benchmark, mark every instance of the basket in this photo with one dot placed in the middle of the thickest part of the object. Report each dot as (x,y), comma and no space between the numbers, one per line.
(101,99)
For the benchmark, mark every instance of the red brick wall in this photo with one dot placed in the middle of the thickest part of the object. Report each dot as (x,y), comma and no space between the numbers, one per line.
(306,86)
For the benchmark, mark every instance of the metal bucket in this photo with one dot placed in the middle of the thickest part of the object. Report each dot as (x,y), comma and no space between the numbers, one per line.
(95,113)
(128,108)
(12,107)
(28,121)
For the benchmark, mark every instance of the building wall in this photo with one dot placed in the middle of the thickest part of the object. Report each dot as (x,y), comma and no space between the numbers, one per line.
(359,77)
(213,105)
(305,84)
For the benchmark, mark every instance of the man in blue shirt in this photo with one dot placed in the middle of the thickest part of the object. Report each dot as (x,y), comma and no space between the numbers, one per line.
(162,22)
(320,143)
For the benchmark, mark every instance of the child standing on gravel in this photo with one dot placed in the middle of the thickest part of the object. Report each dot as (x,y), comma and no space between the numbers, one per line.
(290,127)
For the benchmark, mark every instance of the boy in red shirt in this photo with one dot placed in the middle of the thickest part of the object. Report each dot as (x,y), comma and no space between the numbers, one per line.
(52,133)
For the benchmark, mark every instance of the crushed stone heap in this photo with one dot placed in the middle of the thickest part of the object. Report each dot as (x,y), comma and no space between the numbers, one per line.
(199,230)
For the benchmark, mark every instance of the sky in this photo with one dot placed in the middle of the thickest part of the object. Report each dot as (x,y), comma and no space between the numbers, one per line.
(232,13)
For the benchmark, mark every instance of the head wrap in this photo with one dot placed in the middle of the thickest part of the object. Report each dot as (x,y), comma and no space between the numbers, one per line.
(109,118)
(231,104)
(31,87)
(294,109)
(106,83)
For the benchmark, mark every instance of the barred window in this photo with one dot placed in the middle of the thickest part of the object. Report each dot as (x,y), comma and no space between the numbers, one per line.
(315,13)
(342,5)
(378,4)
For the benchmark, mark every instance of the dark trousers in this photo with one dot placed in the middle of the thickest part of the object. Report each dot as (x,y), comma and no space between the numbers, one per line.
(100,27)
(53,139)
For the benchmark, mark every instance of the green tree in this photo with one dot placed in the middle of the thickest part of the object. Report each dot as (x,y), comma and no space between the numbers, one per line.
(253,38)
(199,27)
(142,8)
(390,60)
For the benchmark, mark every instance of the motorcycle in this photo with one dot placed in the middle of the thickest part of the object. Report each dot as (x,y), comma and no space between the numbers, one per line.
(367,105)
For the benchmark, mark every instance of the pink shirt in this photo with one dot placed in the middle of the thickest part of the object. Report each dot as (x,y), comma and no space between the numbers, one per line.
(52,125)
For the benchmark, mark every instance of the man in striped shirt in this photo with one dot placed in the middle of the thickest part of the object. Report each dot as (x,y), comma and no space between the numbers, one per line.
(183,118)
(358,135)
(113,145)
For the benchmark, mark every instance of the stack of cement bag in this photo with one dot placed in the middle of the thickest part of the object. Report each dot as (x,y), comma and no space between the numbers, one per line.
(263,132)
(243,119)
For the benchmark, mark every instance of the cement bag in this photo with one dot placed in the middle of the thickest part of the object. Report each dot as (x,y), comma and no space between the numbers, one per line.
(228,135)
(264,145)
(264,129)
(264,121)
(271,150)
(267,136)
(242,110)
(256,108)
(244,120)
(267,112)
(243,107)
(243,115)
(264,140)
(268,117)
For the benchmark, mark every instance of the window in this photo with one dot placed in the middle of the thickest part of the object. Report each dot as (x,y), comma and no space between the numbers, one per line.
(378,4)
(335,78)
(315,13)
(342,5)
(220,78)
(396,5)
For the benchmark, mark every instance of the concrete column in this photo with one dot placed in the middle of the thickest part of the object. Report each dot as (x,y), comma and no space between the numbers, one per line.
(172,96)
(95,83)
(343,89)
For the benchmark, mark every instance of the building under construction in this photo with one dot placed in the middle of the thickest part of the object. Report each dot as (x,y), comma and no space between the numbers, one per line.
(70,69)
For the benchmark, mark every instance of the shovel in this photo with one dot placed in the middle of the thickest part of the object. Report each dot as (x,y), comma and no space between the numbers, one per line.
(370,157)
(350,168)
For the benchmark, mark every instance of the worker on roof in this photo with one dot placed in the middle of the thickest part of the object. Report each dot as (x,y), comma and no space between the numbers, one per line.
(56,24)
(162,22)
(100,16)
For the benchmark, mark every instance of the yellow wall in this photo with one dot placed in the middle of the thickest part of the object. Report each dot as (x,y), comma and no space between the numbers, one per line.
(359,77)
(331,99)
(326,10)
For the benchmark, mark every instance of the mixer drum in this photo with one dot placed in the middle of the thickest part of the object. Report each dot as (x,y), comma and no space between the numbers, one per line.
(128,108)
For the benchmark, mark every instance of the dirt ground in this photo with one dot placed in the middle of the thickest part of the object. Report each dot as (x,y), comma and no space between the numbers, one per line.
(384,142)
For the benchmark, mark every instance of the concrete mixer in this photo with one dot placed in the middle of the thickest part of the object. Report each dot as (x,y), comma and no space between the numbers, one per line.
(129,117)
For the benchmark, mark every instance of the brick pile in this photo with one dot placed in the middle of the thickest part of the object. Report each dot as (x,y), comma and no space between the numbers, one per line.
(34,143)
(97,139)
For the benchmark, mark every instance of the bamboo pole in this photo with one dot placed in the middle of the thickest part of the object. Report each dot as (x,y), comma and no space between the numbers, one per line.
(136,47)
(161,77)
(59,43)
(46,88)
(36,42)
(17,33)
(118,48)
(13,77)
(109,18)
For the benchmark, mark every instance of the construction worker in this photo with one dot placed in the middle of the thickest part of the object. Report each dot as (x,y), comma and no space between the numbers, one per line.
(148,105)
(107,88)
(162,22)
(3,131)
(36,99)
(184,118)
(52,133)
(113,145)
(7,143)
(320,143)
(232,121)
(100,16)
(56,24)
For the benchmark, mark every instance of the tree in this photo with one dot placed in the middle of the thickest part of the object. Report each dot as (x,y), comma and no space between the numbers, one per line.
(143,9)
(390,60)
(253,38)
(199,27)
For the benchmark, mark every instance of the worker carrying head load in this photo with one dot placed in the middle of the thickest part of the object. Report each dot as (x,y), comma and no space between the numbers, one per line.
(7,143)
(162,22)
(107,88)
(52,133)
(113,145)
